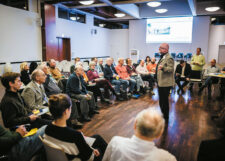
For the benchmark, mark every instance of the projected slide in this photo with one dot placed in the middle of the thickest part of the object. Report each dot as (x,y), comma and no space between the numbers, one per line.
(171,30)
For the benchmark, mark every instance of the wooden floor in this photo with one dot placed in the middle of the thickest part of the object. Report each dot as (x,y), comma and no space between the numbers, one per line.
(189,121)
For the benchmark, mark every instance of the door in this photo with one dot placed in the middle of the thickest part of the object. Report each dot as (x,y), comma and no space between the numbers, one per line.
(64,52)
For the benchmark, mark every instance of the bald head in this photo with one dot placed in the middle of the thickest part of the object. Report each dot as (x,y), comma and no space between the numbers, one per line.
(149,124)
(164,48)
(213,62)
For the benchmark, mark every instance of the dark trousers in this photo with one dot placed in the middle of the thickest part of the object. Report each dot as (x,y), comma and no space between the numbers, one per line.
(107,86)
(96,91)
(195,75)
(148,78)
(164,100)
(101,145)
(178,79)
(208,83)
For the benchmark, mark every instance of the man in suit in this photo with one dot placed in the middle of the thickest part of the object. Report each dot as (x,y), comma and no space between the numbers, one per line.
(182,73)
(165,78)
(76,89)
(34,93)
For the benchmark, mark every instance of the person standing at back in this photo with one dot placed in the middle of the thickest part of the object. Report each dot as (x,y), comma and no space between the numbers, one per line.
(165,78)
(197,63)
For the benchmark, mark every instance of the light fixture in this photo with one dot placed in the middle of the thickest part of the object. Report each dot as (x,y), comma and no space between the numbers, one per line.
(102,25)
(154,4)
(163,10)
(119,14)
(212,9)
(213,19)
(74,18)
(88,2)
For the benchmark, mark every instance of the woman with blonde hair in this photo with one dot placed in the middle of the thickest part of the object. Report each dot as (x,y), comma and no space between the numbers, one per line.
(24,68)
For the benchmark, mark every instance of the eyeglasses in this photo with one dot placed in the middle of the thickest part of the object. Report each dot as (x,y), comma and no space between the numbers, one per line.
(162,48)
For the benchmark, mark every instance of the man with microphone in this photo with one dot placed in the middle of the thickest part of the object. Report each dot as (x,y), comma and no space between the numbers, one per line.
(165,78)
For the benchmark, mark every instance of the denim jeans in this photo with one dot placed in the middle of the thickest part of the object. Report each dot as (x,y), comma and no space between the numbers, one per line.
(117,84)
(27,147)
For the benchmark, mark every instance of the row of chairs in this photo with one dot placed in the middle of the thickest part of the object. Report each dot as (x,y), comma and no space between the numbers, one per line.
(179,56)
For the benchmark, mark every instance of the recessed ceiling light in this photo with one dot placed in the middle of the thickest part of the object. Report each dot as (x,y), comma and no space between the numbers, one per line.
(101,25)
(154,4)
(212,9)
(161,10)
(119,14)
(89,2)
(74,18)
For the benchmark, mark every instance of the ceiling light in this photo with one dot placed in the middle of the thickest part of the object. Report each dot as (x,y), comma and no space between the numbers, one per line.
(213,19)
(74,18)
(154,4)
(101,25)
(89,2)
(119,14)
(212,9)
(161,10)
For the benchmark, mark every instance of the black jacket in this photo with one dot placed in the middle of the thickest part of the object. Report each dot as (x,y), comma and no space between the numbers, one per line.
(187,71)
(108,72)
(72,86)
(7,140)
(13,110)
(25,78)
(50,86)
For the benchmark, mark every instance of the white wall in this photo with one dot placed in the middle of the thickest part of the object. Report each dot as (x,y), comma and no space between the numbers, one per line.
(20,38)
(200,37)
(83,42)
(119,43)
(20,35)
(216,38)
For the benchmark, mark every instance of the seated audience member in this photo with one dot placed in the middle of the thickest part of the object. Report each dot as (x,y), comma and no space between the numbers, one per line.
(182,73)
(222,86)
(56,73)
(148,126)
(133,74)
(94,59)
(197,63)
(112,76)
(33,66)
(76,89)
(100,68)
(113,62)
(100,82)
(24,71)
(73,142)
(50,83)
(124,76)
(210,80)
(145,75)
(147,60)
(76,60)
(34,93)
(152,66)
(18,148)
(212,150)
(14,111)
(90,85)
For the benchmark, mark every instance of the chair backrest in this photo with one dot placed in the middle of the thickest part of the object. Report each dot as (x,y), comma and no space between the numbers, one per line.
(157,55)
(53,152)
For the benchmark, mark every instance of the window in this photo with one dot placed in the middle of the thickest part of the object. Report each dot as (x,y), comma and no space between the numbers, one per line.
(71,15)
(111,25)
(21,4)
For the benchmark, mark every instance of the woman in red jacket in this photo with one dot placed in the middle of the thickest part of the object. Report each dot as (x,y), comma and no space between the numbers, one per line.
(100,81)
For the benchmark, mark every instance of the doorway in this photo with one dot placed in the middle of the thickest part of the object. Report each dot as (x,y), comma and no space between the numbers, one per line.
(64,51)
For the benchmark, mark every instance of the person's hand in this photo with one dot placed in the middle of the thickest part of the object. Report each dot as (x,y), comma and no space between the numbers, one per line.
(21,130)
(114,75)
(96,152)
(187,79)
(33,117)
(160,67)
(177,74)
(101,74)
